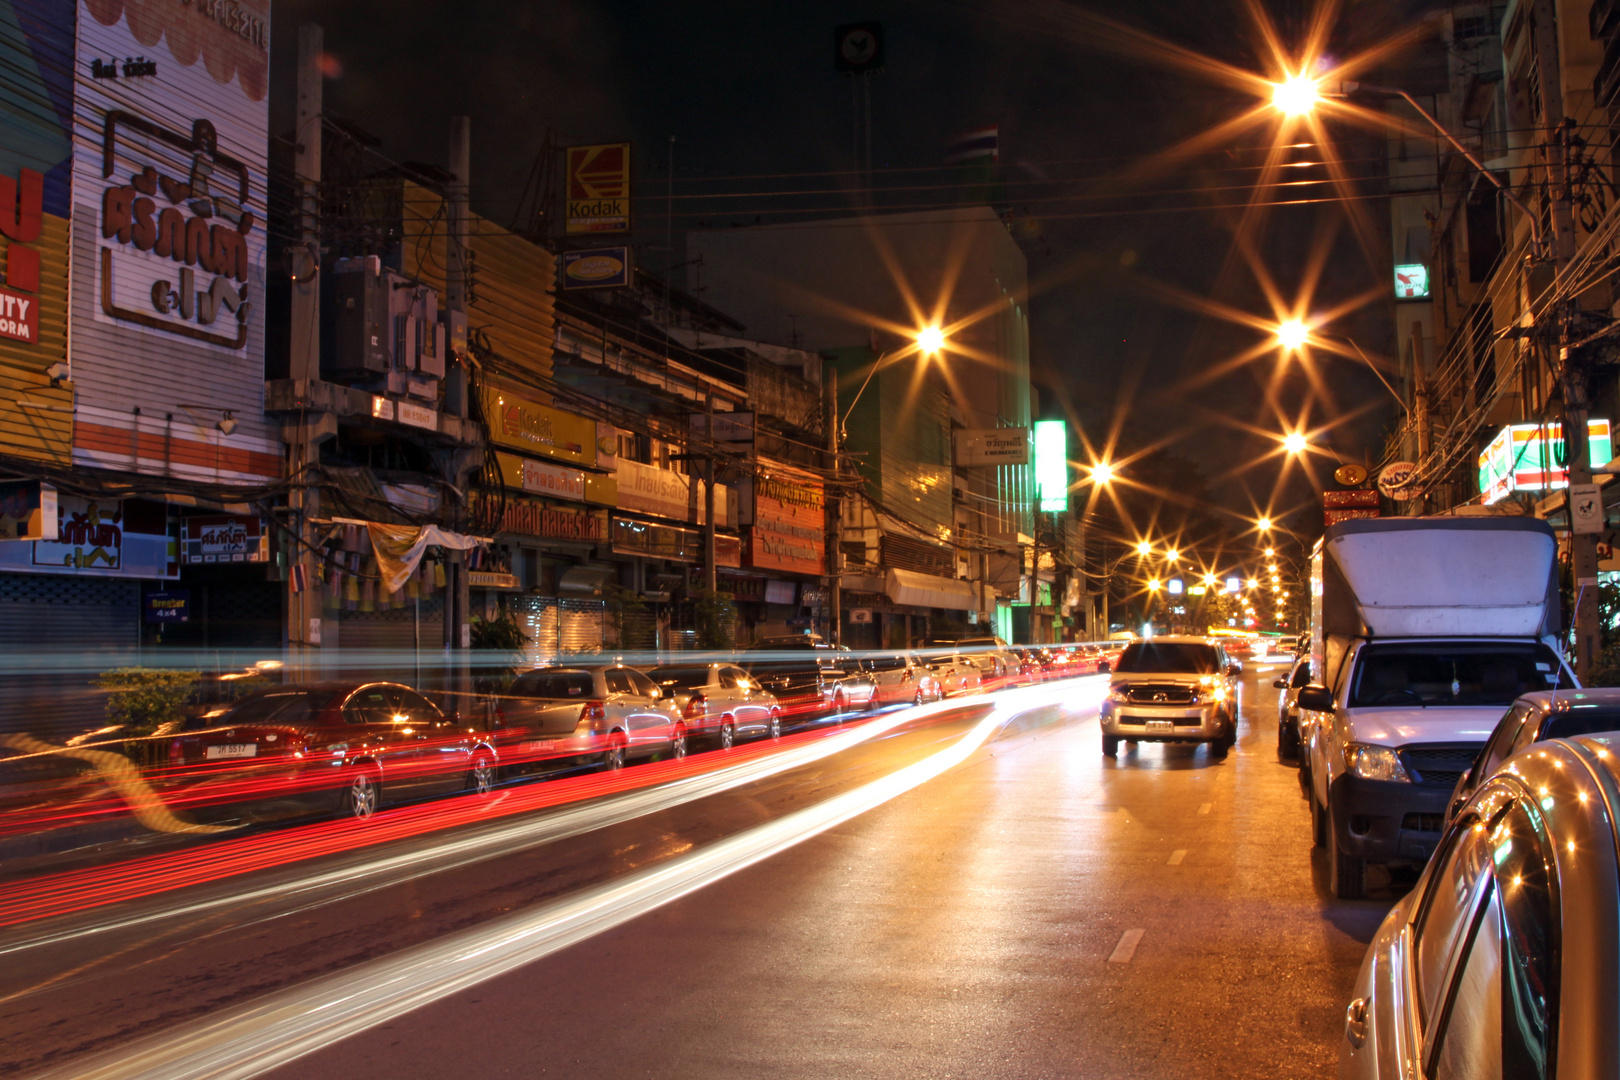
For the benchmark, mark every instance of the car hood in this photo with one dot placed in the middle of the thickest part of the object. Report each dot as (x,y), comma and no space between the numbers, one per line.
(1438,723)
(1157,677)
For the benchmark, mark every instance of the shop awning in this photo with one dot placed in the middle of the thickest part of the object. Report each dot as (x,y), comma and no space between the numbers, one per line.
(584,580)
(924,590)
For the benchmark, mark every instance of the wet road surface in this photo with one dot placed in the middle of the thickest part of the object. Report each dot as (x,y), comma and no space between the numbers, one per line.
(1033,910)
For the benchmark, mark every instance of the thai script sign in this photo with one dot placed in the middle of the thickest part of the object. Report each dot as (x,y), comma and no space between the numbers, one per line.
(648,490)
(597,268)
(790,527)
(225,538)
(89,535)
(992,446)
(528,517)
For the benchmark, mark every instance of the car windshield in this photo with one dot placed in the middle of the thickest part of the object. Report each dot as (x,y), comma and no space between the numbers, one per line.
(1397,675)
(680,678)
(1168,657)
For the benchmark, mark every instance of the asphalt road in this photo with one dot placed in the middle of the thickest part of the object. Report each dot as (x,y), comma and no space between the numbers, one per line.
(1034,910)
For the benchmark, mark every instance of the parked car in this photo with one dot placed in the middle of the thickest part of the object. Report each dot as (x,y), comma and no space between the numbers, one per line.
(349,746)
(719,702)
(953,674)
(1466,976)
(993,657)
(1029,670)
(1534,718)
(1172,689)
(604,714)
(899,678)
(814,681)
(1289,686)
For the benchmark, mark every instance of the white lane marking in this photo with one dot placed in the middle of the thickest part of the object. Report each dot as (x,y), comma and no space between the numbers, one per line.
(1127,947)
(1176,856)
(283,1026)
(1204,809)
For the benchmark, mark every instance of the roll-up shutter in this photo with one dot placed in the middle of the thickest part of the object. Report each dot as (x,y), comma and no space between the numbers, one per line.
(57,633)
(559,627)
(383,644)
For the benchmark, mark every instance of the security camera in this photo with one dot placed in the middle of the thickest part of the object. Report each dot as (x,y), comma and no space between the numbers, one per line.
(227,425)
(58,372)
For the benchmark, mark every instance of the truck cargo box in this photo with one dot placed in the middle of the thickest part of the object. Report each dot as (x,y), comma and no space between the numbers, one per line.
(1436,577)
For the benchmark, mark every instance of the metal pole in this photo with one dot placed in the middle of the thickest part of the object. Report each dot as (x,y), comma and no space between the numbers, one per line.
(834,509)
(304,361)
(1035,572)
(711,572)
(457,601)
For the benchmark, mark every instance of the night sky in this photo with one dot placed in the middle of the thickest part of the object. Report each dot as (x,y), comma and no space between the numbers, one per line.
(748,90)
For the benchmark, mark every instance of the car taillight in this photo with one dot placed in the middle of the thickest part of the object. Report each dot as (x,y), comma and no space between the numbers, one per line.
(696,706)
(592,710)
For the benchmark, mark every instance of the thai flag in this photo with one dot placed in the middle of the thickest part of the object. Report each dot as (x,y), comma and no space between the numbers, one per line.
(980,145)
(299,583)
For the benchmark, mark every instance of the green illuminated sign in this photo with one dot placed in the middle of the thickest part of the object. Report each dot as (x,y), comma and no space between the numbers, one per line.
(1052,464)
(1411,281)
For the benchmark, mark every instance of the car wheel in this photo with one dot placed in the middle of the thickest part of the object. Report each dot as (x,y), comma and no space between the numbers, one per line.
(1288,741)
(481,777)
(1110,745)
(916,699)
(363,794)
(677,743)
(1347,874)
(728,734)
(613,757)
(1219,748)
(776,726)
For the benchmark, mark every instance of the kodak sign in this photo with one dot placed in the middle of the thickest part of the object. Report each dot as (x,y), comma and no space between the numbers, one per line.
(598,186)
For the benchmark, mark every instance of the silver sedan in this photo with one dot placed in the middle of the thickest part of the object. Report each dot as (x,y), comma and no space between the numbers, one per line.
(1466,976)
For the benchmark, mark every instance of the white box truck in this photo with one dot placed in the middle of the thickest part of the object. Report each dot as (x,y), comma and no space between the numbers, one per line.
(1423,632)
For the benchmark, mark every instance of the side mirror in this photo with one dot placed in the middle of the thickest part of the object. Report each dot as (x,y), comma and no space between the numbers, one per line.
(1234,668)
(1279,684)
(1316,698)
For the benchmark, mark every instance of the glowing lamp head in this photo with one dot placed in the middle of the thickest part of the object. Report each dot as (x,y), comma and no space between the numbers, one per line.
(1102,473)
(1144,548)
(1154,585)
(1265,526)
(1172,555)
(930,340)
(1294,443)
(1292,334)
(1295,96)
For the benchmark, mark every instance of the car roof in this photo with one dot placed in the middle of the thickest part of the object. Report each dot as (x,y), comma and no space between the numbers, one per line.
(1547,700)
(1175,639)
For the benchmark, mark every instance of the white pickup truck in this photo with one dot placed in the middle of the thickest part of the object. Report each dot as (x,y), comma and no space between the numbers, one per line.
(1424,631)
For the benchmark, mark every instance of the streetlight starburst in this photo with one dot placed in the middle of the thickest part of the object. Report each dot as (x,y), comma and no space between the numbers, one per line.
(1296,95)
(930,340)
(1293,334)
(1295,442)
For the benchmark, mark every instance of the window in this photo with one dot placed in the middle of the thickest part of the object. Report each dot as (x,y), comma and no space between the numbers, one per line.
(1460,675)
(1500,1015)
(1470,1046)
(555,684)
(1445,909)
(618,681)
(1501,745)
(415,706)
(728,677)
(681,678)
(1171,658)
(1302,677)
(644,686)
(369,705)
(739,678)
(1568,723)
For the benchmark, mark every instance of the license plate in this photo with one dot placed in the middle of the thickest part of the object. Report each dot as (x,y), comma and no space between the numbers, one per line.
(1159,725)
(231,750)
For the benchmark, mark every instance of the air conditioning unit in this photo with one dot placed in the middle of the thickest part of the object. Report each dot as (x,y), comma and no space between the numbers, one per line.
(384,323)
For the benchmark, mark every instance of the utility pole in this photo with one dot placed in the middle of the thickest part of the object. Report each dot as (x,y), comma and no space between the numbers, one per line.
(834,508)
(1035,634)
(711,573)
(1570,366)
(457,629)
(305,434)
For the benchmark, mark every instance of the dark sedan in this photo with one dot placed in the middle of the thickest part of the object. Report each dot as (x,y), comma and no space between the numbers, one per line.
(349,746)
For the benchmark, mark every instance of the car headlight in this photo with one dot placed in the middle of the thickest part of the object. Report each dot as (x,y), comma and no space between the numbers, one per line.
(1119,692)
(1376,763)
(1211,690)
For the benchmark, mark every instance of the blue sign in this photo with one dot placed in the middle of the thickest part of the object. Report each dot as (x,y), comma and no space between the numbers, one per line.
(170,606)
